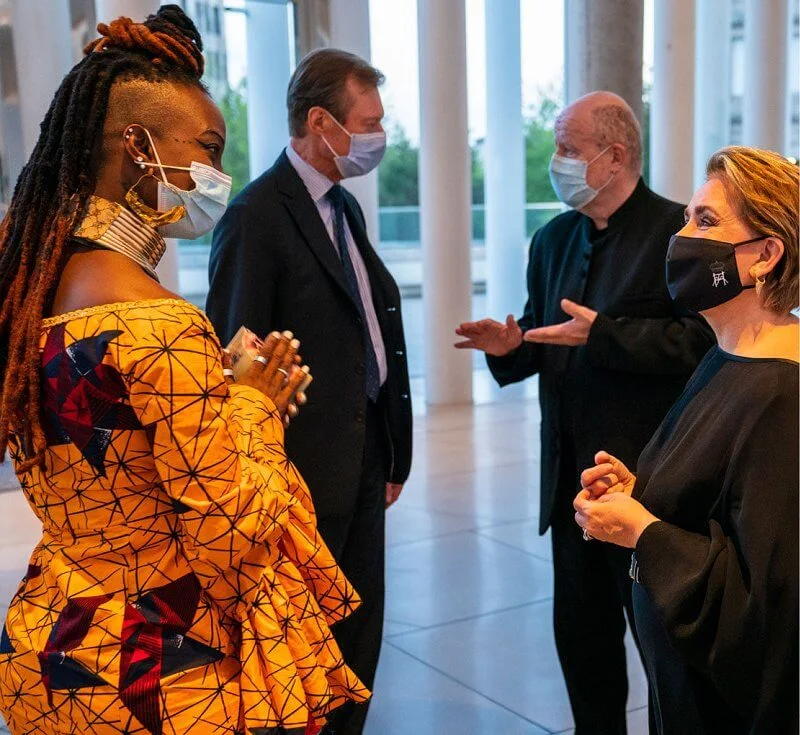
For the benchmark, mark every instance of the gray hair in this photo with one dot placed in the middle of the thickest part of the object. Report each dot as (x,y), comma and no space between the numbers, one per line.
(617,124)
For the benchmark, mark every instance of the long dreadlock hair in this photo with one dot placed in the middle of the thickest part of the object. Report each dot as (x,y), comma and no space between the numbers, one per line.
(53,189)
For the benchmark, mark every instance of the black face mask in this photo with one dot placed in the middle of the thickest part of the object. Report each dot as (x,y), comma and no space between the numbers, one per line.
(702,273)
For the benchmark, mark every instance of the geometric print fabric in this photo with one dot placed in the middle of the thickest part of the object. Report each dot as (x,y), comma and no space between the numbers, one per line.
(180,585)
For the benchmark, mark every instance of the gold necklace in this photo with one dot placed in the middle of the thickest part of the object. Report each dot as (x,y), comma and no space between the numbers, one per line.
(116,228)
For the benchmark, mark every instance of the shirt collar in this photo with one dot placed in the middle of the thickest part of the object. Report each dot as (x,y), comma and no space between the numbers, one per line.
(317,183)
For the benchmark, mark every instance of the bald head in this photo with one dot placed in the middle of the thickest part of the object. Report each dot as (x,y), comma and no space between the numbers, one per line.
(605,118)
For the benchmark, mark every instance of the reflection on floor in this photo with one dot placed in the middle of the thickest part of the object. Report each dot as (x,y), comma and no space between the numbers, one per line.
(468,641)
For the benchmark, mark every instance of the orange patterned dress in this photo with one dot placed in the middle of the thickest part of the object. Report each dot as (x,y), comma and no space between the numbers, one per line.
(180,586)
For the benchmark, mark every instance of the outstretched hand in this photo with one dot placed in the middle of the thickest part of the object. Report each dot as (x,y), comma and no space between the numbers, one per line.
(573,333)
(490,336)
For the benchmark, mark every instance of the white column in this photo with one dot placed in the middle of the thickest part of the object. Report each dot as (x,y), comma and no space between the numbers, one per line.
(138,10)
(712,84)
(672,109)
(42,47)
(765,73)
(603,48)
(267,79)
(504,162)
(349,24)
(445,212)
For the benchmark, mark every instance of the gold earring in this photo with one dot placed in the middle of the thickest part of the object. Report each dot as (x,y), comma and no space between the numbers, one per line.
(760,281)
(147,214)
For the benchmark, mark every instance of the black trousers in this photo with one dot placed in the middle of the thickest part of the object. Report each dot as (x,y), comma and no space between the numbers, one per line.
(592,593)
(358,544)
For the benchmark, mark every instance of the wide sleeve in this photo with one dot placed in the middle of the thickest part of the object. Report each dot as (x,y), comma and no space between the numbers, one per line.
(241,273)
(523,362)
(668,346)
(227,502)
(729,598)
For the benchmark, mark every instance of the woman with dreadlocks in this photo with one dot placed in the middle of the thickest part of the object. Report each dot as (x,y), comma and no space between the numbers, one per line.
(180,585)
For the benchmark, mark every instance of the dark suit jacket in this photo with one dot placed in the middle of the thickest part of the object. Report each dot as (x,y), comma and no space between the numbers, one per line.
(613,392)
(273,267)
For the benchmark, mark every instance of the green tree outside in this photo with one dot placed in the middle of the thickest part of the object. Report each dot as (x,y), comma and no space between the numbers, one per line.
(398,176)
(538,150)
(236,159)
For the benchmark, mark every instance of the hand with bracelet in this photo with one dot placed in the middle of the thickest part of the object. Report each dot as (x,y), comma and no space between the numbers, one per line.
(277,372)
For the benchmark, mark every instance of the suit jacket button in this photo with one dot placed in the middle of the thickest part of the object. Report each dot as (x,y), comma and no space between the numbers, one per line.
(360,417)
(404,396)
(399,353)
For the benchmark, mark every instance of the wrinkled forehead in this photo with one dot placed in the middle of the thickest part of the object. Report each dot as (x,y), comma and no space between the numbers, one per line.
(574,126)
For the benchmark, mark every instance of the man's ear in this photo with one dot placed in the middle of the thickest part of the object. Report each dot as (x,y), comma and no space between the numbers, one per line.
(619,155)
(318,121)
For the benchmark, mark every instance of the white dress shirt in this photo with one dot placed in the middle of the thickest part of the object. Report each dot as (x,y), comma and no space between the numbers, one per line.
(318,186)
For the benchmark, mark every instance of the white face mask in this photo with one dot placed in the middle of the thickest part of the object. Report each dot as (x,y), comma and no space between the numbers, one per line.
(366,152)
(204,205)
(568,177)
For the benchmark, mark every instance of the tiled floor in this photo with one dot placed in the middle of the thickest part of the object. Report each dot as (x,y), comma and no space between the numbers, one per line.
(468,641)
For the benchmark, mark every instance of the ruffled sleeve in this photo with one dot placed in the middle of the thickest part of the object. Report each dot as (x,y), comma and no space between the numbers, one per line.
(250,531)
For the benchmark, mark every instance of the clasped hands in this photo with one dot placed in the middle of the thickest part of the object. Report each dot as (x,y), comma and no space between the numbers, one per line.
(498,339)
(278,374)
(604,508)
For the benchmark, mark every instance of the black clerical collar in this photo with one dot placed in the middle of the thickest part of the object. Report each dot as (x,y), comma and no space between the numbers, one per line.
(629,206)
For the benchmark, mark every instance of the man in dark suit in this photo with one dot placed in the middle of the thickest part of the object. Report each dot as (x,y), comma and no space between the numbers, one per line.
(613,353)
(292,253)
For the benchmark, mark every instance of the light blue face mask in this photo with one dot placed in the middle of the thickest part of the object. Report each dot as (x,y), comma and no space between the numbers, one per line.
(366,152)
(204,205)
(568,177)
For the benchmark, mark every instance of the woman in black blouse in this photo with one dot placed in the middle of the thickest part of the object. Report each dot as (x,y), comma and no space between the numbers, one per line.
(712,512)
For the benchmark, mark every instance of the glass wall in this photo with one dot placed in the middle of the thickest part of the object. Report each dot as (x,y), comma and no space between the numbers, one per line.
(394,51)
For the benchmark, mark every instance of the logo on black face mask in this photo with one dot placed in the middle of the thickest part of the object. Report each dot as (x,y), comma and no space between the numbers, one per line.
(718,274)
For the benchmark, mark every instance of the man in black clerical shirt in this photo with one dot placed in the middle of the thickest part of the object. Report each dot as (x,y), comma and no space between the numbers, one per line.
(613,353)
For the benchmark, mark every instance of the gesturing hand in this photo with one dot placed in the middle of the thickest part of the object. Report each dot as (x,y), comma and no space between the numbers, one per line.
(573,333)
(609,475)
(493,338)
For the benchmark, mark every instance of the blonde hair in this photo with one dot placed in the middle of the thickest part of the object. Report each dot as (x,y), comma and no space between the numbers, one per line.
(764,189)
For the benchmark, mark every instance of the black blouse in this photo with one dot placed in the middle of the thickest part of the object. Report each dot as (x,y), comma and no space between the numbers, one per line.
(720,570)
